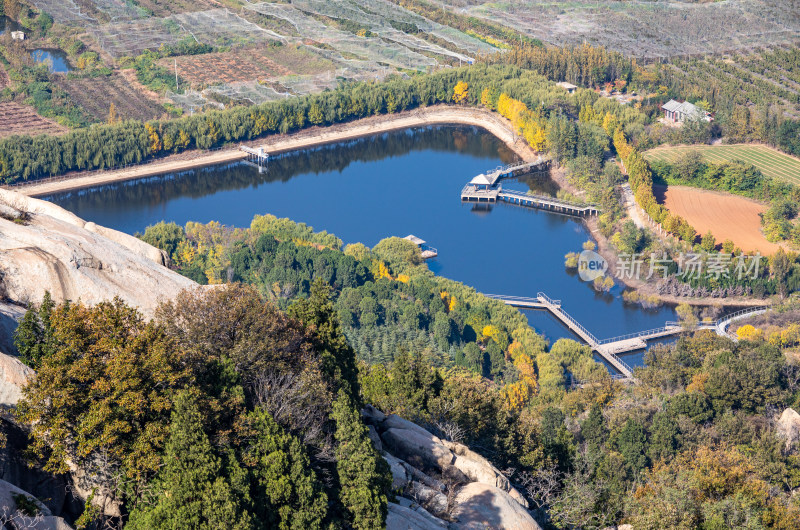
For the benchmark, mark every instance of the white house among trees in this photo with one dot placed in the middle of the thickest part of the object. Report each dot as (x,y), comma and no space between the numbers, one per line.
(680,112)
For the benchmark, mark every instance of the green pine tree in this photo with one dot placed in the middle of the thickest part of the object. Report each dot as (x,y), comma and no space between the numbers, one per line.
(34,333)
(192,489)
(364,477)
(338,358)
(286,491)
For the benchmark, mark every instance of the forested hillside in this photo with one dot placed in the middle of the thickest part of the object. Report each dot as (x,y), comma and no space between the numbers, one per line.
(233,411)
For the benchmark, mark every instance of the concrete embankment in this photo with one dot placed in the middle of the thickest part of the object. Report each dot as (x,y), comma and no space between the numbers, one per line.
(309,138)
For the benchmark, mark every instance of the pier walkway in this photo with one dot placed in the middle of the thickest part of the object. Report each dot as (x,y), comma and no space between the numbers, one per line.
(610,348)
(486,188)
(491,178)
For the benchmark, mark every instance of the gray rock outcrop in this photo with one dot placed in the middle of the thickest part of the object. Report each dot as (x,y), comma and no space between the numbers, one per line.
(443,480)
(407,518)
(57,251)
(422,449)
(12,514)
(13,376)
(480,506)
(788,428)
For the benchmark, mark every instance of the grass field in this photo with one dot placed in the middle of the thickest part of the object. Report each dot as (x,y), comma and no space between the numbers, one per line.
(771,162)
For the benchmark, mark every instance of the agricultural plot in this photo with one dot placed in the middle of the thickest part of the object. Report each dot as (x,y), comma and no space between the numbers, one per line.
(215,27)
(770,77)
(96,95)
(165,8)
(726,216)
(646,29)
(366,48)
(65,12)
(248,64)
(16,119)
(381,18)
(770,162)
(134,37)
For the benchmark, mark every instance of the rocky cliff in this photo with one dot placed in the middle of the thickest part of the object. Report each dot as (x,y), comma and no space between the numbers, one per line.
(44,247)
(443,484)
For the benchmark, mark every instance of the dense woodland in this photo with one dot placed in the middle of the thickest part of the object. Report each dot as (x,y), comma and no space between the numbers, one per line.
(279,440)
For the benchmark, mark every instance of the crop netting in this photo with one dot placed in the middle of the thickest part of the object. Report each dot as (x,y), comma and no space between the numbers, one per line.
(366,48)
(352,11)
(390,11)
(118,10)
(220,27)
(671,28)
(192,101)
(132,38)
(215,27)
(63,11)
(251,91)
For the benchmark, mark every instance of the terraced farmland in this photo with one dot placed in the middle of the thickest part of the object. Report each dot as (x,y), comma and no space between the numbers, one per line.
(247,64)
(95,96)
(23,120)
(770,161)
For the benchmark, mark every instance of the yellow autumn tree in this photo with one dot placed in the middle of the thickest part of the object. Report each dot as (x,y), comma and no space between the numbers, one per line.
(112,114)
(517,395)
(460,92)
(749,332)
(610,123)
(155,139)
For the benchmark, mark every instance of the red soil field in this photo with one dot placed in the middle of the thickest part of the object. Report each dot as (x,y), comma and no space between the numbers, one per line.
(727,216)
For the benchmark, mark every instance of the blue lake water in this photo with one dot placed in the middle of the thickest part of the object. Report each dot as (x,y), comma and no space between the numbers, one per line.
(394,184)
(57,59)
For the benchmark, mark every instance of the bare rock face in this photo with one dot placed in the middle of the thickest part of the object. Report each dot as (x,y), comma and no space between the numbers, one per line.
(10,315)
(420,448)
(57,251)
(789,428)
(417,448)
(480,506)
(13,376)
(408,518)
(10,513)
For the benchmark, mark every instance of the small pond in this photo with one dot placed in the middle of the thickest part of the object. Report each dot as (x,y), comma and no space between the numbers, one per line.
(57,59)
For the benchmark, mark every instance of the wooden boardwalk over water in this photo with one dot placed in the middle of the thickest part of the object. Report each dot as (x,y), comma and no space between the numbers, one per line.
(485,188)
(609,349)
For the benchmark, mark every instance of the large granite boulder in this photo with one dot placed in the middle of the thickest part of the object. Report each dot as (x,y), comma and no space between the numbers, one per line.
(480,506)
(788,428)
(418,448)
(421,449)
(13,376)
(411,518)
(14,502)
(54,250)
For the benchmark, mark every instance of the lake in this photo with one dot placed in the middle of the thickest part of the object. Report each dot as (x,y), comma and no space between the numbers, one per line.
(57,59)
(394,184)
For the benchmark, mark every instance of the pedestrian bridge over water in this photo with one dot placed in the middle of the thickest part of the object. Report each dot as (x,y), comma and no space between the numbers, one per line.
(486,188)
(609,349)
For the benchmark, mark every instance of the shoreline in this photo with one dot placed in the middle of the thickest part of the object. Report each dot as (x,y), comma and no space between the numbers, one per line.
(304,139)
(318,136)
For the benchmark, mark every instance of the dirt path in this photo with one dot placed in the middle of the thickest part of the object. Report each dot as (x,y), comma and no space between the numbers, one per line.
(438,115)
